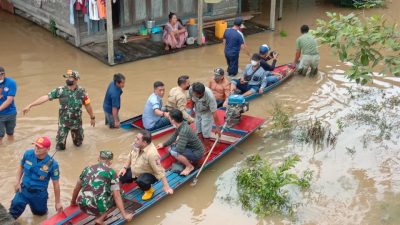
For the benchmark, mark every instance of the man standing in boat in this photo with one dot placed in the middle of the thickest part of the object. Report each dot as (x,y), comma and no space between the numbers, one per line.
(144,166)
(188,148)
(205,107)
(97,191)
(71,97)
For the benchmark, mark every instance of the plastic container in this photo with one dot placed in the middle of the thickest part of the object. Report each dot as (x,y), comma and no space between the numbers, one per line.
(150,24)
(220,27)
(156,37)
(156,30)
(191,21)
(192,31)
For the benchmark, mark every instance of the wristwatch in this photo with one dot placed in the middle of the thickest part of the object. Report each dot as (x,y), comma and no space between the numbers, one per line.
(93,117)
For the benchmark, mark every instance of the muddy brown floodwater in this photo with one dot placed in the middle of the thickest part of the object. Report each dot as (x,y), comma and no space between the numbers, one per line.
(361,188)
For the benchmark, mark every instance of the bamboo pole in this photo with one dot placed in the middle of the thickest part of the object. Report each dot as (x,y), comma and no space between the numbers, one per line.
(199,21)
(272,15)
(280,9)
(110,34)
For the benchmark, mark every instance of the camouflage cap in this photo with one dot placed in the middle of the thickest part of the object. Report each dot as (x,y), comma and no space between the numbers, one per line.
(71,73)
(106,154)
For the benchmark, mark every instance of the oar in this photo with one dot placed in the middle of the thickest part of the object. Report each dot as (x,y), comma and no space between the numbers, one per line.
(194,182)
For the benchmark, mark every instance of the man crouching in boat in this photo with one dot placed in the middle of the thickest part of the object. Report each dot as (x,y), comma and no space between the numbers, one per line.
(188,148)
(98,189)
(144,166)
(254,79)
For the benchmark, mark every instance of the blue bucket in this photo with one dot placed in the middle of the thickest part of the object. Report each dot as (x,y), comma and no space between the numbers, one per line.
(156,30)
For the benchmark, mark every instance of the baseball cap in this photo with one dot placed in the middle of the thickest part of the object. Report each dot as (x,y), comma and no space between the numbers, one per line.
(106,154)
(264,49)
(42,142)
(71,73)
(219,72)
(238,21)
(2,70)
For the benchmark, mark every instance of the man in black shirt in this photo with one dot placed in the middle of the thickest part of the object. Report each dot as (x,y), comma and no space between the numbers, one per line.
(264,49)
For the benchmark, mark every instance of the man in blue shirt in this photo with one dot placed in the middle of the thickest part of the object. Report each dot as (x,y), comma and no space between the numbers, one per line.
(234,41)
(112,100)
(8,112)
(153,116)
(33,175)
(254,78)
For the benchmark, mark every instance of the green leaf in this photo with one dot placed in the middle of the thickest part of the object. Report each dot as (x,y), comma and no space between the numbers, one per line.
(364,60)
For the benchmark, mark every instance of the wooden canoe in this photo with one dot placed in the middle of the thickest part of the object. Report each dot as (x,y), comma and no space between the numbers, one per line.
(132,196)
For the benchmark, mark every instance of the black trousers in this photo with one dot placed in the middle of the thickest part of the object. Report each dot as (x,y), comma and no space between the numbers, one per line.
(144,180)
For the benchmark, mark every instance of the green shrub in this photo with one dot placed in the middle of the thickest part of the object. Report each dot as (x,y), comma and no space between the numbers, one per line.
(260,186)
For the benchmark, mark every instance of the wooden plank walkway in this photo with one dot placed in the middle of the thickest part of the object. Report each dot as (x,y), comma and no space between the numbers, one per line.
(143,49)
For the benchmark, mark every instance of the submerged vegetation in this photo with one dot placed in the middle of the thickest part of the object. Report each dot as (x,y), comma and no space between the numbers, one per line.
(316,133)
(360,4)
(381,117)
(367,4)
(367,44)
(261,186)
(283,33)
(280,119)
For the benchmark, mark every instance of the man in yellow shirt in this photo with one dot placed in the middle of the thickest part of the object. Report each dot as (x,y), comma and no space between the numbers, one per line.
(177,98)
(144,166)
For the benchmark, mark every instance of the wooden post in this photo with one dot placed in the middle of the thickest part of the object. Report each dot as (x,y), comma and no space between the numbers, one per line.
(280,9)
(110,34)
(199,21)
(272,14)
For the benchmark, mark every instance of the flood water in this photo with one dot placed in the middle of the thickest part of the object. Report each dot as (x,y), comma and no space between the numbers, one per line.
(358,188)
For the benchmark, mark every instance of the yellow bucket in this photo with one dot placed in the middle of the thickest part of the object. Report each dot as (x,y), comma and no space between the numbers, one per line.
(220,27)
(192,21)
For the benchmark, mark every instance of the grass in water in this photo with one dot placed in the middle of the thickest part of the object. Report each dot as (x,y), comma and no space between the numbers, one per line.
(280,119)
(260,185)
(283,33)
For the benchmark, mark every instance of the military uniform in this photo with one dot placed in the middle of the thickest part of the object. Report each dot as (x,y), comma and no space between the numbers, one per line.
(98,183)
(35,180)
(70,114)
(177,100)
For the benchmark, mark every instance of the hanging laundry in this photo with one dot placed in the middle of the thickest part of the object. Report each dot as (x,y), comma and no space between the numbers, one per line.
(81,6)
(71,12)
(93,10)
(101,5)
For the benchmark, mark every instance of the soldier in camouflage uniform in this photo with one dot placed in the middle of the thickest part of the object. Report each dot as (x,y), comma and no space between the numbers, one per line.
(71,98)
(99,191)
